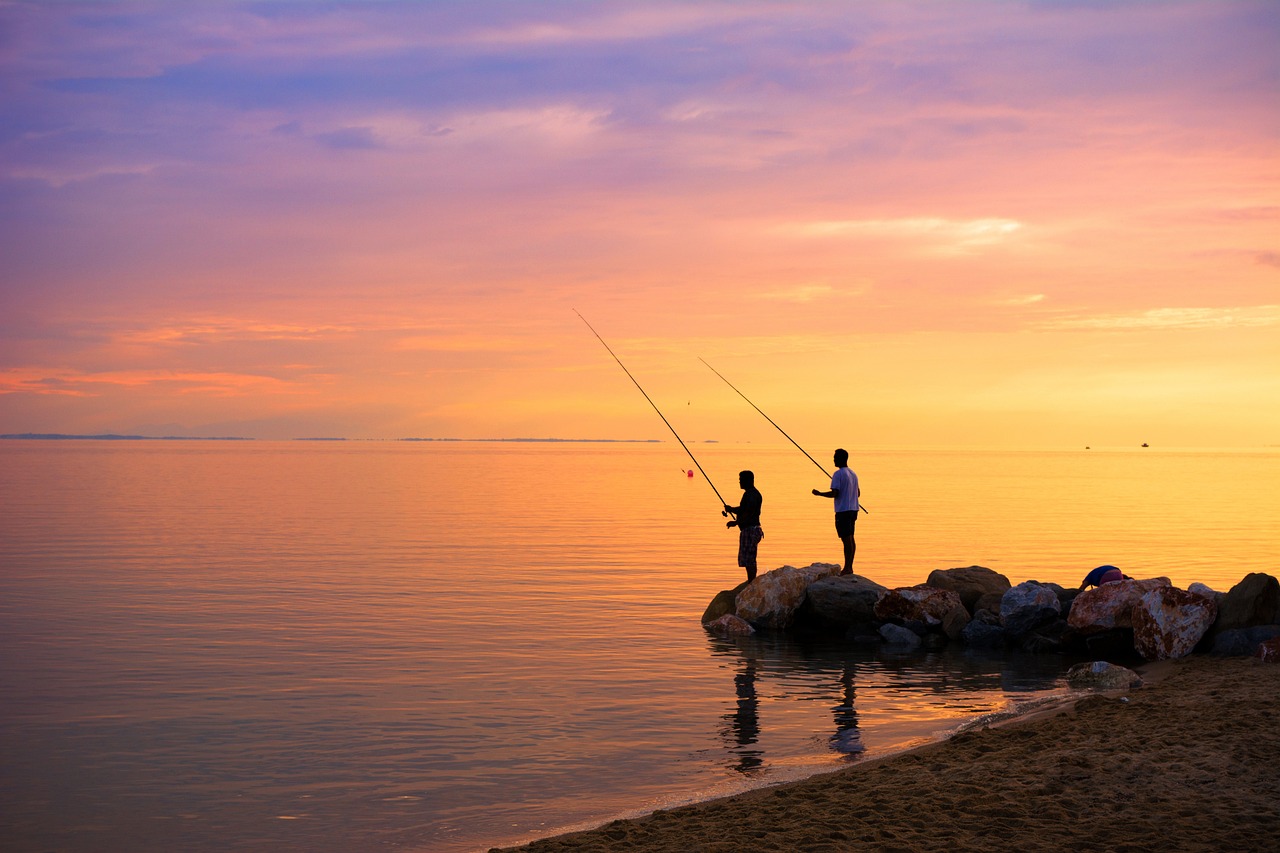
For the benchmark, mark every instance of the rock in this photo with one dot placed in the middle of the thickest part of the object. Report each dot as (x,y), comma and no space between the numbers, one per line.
(1200,589)
(839,604)
(1028,605)
(1110,605)
(723,603)
(1253,601)
(1102,676)
(1047,638)
(953,624)
(970,583)
(770,601)
(899,637)
(1269,652)
(1243,642)
(990,602)
(1168,622)
(922,603)
(982,635)
(730,626)
(1111,644)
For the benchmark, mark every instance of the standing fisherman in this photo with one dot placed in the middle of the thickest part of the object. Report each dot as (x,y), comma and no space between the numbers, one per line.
(844,488)
(747,522)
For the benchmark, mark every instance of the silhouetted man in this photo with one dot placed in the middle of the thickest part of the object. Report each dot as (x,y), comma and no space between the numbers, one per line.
(748,522)
(844,488)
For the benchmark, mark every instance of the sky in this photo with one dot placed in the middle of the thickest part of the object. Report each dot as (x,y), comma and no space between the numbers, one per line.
(989,223)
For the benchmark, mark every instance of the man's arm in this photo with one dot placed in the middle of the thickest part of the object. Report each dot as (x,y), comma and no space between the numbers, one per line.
(834,493)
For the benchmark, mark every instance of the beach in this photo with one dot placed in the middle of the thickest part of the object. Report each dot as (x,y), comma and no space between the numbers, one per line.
(1188,761)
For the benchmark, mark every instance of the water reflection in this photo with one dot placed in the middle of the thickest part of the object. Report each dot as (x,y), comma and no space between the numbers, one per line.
(776,678)
(741,731)
(847,740)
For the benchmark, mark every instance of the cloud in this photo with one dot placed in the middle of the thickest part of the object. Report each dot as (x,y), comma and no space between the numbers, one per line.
(1176,318)
(953,233)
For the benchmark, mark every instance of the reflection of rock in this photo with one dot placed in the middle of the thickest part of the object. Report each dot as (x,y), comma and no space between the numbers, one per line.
(729,625)
(1103,676)
(1028,605)
(970,583)
(1168,622)
(770,601)
(1110,605)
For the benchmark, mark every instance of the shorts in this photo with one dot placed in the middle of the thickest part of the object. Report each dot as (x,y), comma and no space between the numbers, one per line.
(845,522)
(748,541)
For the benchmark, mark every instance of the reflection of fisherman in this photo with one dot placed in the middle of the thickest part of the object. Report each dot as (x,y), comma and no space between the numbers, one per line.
(847,739)
(747,522)
(1101,575)
(743,723)
(844,488)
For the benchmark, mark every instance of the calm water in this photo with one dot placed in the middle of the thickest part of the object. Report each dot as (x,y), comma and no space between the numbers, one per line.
(445,646)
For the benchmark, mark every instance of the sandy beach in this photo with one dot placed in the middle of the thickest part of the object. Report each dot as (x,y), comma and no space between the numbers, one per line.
(1189,761)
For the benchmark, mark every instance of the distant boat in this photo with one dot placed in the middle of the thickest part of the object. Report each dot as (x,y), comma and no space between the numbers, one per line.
(1144,444)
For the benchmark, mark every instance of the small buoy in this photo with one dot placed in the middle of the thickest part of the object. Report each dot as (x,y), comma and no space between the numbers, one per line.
(689,473)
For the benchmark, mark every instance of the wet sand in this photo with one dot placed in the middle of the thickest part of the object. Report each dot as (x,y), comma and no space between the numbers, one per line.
(1190,761)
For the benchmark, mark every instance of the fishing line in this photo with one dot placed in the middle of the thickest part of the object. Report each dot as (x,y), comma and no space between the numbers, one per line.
(723,502)
(778,428)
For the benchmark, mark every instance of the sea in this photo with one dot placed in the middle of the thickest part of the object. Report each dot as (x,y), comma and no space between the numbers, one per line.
(453,645)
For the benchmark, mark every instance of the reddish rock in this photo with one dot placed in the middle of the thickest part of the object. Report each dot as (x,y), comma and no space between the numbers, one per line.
(1168,622)
(921,603)
(730,626)
(1110,605)
(770,601)
(1269,652)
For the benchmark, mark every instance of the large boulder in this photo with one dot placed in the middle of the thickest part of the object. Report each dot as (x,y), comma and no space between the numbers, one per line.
(1253,601)
(922,603)
(971,583)
(1110,605)
(1242,642)
(1101,675)
(1168,622)
(770,601)
(1028,605)
(840,603)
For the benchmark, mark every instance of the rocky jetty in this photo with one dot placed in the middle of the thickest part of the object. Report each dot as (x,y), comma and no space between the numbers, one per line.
(978,607)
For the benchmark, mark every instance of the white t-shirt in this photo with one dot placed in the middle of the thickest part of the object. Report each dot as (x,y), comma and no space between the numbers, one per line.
(847,482)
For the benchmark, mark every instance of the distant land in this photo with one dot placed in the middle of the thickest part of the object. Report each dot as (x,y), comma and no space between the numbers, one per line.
(47,436)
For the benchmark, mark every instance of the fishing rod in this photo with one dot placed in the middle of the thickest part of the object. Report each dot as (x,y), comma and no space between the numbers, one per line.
(778,428)
(723,502)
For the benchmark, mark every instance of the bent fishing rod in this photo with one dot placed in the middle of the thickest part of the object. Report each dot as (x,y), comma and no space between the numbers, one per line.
(723,502)
(775,426)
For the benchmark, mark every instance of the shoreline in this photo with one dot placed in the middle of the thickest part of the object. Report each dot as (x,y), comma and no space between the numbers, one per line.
(1188,761)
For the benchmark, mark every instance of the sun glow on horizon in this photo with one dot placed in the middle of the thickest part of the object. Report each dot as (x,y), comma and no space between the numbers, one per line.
(895,222)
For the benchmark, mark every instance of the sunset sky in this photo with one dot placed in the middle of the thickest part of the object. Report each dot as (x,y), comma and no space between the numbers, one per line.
(983,223)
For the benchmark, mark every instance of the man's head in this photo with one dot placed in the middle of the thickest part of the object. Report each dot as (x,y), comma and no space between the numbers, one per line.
(746,479)
(841,457)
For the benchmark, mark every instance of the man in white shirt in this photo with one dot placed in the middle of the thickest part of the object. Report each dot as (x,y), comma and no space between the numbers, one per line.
(845,491)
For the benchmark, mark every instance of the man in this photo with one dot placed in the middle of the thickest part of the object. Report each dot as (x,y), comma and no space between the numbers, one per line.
(748,522)
(844,489)
(1101,575)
